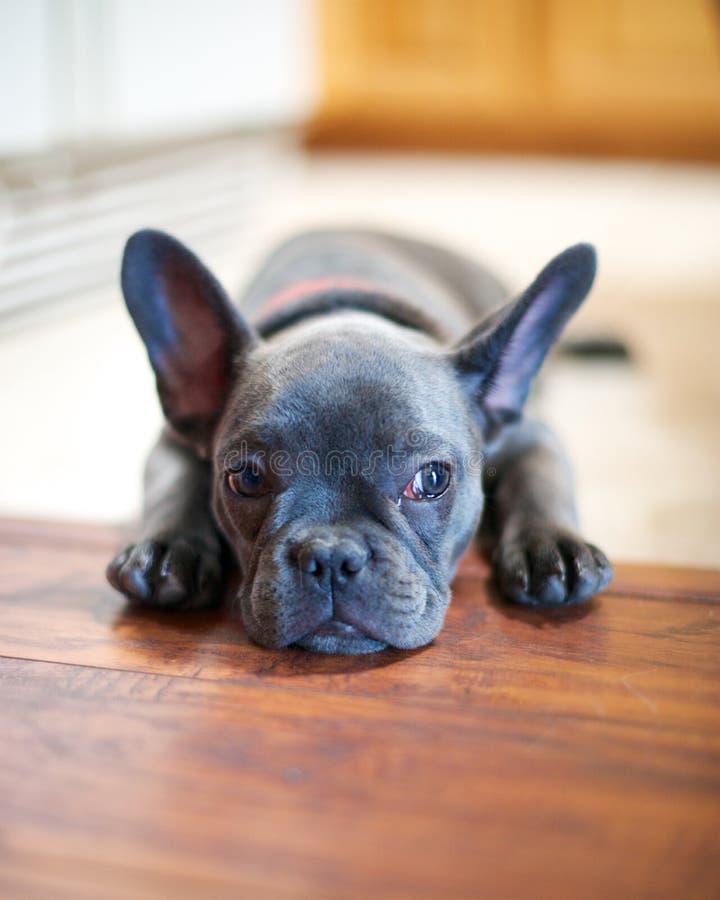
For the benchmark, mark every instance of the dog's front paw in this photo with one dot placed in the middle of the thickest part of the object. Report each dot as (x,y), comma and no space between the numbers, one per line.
(178,572)
(546,566)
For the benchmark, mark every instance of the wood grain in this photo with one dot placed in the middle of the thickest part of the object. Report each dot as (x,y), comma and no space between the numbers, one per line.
(522,754)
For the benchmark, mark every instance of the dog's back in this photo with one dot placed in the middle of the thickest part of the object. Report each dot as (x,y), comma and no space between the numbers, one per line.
(443,285)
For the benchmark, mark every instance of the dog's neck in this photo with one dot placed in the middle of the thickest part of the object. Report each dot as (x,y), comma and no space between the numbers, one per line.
(323,296)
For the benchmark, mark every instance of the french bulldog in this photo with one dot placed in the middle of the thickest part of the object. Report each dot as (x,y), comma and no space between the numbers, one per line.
(341,439)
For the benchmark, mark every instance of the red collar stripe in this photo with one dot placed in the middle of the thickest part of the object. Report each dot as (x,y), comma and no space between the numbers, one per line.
(304,289)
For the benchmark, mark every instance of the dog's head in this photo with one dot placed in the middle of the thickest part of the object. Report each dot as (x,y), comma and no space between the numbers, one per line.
(347,450)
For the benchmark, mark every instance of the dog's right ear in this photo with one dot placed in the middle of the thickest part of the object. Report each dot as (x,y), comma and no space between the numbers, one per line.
(194,336)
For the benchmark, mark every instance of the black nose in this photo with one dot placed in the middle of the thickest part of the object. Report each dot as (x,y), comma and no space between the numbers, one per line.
(326,557)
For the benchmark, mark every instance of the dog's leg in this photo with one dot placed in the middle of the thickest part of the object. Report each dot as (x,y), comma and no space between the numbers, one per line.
(177,562)
(539,557)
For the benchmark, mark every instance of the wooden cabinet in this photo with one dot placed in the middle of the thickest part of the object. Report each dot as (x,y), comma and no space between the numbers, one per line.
(623,77)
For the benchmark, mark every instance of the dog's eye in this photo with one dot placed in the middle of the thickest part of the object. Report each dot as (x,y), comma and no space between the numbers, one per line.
(429,482)
(247,480)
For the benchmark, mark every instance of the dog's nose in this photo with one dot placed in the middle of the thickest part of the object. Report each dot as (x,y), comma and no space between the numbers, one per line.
(327,557)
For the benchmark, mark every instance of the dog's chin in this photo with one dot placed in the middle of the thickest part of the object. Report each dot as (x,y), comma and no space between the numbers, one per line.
(334,636)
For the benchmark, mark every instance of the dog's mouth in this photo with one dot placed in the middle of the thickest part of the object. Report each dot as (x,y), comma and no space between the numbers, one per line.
(335,636)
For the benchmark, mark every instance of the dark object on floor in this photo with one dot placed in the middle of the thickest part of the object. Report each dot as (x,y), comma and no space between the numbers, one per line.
(596,348)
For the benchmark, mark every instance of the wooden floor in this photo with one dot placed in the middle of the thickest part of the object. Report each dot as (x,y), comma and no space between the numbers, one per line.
(522,755)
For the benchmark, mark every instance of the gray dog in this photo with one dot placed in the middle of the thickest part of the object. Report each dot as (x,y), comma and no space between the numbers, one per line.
(342,448)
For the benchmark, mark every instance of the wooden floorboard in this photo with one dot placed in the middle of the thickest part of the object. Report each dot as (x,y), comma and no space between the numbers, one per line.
(521,755)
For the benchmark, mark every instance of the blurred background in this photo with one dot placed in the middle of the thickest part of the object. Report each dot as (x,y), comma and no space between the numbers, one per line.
(506,128)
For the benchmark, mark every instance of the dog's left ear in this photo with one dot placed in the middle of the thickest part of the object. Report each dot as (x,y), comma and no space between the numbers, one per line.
(498,360)
(194,336)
